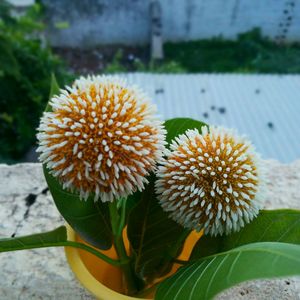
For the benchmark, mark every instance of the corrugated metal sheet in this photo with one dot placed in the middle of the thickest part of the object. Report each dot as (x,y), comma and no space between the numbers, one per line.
(264,107)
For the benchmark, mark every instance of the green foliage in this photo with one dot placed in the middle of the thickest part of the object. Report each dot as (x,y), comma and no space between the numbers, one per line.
(54,90)
(118,66)
(159,67)
(270,226)
(201,279)
(55,238)
(154,238)
(250,53)
(178,126)
(88,218)
(208,276)
(25,71)
(62,25)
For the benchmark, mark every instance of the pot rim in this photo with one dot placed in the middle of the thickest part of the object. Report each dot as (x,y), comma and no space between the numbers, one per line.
(83,275)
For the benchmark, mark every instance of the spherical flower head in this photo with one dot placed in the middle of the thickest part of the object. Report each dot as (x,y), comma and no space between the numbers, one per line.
(210,181)
(102,138)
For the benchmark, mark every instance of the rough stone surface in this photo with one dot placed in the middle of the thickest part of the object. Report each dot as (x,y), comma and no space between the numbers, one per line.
(26,207)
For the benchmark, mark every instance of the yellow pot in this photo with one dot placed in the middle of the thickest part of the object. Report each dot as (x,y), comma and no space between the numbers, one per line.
(102,279)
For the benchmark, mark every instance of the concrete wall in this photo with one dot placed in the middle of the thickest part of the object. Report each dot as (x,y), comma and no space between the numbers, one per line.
(93,22)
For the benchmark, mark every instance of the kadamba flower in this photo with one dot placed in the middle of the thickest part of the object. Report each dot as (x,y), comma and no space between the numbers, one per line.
(102,138)
(210,181)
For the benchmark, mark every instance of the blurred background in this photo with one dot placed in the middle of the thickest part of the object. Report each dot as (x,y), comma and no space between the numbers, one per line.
(233,63)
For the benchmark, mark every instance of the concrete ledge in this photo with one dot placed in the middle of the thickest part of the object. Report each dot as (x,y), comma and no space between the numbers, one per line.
(27,207)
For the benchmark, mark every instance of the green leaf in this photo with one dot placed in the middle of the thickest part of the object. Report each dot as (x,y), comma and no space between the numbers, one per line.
(54,238)
(8,61)
(34,241)
(270,226)
(154,238)
(88,218)
(208,276)
(54,90)
(178,126)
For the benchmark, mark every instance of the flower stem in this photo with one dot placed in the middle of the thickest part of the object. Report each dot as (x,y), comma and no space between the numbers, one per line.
(179,261)
(122,217)
(100,255)
(117,222)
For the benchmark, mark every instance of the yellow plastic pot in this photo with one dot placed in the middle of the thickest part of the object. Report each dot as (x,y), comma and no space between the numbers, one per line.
(103,280)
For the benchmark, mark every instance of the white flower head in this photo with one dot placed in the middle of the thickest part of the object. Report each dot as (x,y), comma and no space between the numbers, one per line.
(102,138)
(210,181)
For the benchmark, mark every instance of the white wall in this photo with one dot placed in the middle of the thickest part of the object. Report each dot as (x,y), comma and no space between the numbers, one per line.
(95,22)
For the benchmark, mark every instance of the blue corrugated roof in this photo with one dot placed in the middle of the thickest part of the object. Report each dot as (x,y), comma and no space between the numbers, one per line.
(264,107)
